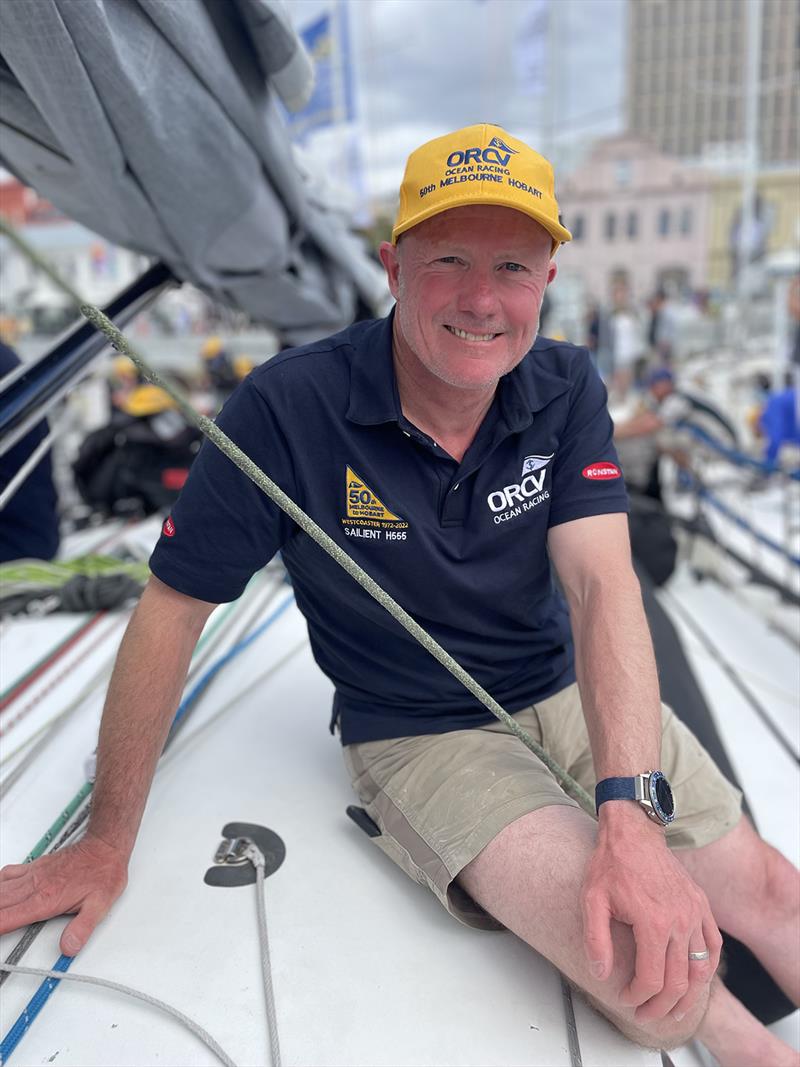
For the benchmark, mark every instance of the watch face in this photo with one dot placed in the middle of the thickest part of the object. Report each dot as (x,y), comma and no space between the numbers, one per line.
(661,797)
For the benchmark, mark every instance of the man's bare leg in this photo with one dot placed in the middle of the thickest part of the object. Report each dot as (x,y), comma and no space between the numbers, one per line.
(754,893)
(530,877)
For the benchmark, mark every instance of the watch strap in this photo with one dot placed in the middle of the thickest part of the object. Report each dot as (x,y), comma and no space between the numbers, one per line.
(614,789)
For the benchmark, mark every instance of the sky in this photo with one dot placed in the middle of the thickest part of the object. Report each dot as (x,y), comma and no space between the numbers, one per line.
(426,67)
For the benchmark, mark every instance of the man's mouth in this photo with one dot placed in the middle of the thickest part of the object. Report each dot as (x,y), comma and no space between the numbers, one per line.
(466,336)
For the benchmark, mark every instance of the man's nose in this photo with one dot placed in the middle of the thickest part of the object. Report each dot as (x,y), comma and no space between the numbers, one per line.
(478,293)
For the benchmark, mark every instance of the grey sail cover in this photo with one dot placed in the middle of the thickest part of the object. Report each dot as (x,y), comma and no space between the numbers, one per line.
(156,124)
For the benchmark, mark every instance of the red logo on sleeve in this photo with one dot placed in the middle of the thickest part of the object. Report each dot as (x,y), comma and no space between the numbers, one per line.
(168,529)
(601,472)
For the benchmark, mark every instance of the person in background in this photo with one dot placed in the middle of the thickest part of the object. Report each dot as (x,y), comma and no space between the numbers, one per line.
(778,422)
(29,526)
(219,368)
(627,343)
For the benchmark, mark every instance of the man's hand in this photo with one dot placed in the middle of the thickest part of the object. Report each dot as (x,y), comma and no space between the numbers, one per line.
(635,879)
(86,878)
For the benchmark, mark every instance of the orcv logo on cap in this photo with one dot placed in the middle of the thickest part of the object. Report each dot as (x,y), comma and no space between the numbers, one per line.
(480,164)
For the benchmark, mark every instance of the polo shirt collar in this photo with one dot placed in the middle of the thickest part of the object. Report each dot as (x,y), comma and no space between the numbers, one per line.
(373,391)
(374,399)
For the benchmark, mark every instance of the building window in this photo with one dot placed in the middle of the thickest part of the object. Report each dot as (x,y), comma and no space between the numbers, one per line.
(578,228)
(622,170)
(633,225)
(611,226)
(663,222)
(686,220)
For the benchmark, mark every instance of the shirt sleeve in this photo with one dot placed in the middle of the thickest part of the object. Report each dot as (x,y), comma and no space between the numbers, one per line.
(223,528)
(587,478)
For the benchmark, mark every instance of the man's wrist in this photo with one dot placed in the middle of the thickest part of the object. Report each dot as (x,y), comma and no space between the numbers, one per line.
(622,817)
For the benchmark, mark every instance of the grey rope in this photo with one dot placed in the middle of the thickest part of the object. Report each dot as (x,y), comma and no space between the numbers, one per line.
(196,1029)
(306,523)
(256,857)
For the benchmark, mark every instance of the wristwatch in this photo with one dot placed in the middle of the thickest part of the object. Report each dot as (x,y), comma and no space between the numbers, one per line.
(651,791)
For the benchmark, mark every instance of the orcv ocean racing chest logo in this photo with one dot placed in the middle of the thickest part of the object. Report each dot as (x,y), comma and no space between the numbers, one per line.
(489,164)
(512,500)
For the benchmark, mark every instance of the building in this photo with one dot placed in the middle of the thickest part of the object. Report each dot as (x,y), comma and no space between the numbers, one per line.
(776,224)
(92,265)
(687,66)
(637,217)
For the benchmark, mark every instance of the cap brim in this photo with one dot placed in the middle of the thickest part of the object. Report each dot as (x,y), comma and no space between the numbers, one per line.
(558,232)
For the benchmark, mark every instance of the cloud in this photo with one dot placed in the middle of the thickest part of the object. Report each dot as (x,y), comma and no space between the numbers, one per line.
(425,67)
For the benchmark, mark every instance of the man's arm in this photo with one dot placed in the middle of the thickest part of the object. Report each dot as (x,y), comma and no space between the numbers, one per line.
(633,878)
(641,425)
(143,695)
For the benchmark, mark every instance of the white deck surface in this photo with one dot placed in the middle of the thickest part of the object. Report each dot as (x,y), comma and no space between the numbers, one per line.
(368,968)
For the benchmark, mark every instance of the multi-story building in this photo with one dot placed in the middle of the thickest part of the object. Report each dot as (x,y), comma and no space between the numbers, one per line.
(638,218)
(686,78)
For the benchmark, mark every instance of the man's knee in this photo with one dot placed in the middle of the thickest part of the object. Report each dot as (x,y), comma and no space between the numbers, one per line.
(666,1033)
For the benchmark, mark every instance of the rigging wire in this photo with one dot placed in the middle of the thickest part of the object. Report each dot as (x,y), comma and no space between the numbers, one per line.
(58,973)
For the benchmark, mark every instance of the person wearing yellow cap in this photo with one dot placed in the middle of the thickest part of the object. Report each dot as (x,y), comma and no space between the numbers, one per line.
(460,459)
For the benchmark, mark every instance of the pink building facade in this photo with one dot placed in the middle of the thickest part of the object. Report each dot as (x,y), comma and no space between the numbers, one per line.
(636,217)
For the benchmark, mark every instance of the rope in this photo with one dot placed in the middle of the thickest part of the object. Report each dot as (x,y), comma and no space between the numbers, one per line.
(68,669)
(212,672)
(256,857)
(254,684)
(27,681)
(60,822)
(56,975)
(47,839)
(33,1007)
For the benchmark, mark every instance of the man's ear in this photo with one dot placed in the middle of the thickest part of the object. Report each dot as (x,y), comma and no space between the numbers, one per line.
(391,264)
(552,271)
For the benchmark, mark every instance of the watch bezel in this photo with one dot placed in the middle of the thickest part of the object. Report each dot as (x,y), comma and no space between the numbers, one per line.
(653,779)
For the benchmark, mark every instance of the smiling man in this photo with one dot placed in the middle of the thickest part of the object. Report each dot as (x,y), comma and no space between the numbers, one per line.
(460,460)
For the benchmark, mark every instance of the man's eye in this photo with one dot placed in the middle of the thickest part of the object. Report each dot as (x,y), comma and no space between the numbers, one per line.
(448,259)
(514,267)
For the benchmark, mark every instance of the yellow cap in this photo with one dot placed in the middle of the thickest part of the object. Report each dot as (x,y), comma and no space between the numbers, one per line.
(147,400)
(212,346)
(124,367)
(478,165)
(242,365)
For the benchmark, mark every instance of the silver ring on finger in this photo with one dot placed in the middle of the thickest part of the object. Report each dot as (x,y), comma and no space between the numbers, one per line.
(704,955)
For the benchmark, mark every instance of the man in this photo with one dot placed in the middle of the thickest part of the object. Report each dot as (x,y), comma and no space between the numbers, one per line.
(668,421)
(456,459)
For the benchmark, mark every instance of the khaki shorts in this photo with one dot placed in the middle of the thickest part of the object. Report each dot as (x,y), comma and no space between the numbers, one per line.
(439,799)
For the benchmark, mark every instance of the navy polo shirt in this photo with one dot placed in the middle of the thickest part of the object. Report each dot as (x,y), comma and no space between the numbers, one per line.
(462,546)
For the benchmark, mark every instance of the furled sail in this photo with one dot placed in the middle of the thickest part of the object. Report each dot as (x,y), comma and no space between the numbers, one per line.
(157,125)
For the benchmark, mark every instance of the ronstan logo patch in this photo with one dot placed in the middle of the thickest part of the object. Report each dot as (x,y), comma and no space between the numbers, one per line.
(168,529)
(601,472)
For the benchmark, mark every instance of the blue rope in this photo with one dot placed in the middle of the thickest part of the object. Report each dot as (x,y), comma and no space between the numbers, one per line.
(32,1009)
(214,669)
(38,1000)
(734,455)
